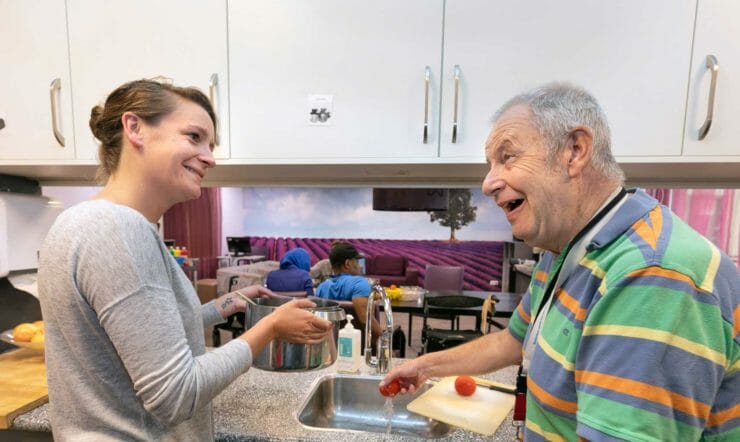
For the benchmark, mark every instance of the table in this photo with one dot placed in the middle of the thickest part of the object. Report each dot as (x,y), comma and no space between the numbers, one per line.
(231,261)
(506,303)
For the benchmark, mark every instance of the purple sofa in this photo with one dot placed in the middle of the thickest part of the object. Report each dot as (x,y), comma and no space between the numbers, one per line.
(391,270)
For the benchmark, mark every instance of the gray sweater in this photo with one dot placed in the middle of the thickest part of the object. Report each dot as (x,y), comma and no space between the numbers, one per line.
(125,348)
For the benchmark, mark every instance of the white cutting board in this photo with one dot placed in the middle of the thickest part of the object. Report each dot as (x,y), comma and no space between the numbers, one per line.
(482,412)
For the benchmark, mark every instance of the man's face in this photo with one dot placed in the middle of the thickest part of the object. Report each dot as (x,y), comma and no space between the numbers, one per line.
(521,183)
(352,266)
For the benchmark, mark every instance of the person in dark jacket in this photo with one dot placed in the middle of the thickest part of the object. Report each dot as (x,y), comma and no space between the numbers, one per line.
(293,274)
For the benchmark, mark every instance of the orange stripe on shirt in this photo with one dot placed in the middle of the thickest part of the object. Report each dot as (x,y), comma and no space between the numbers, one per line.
(644,231)
(523,314)
(656,219)
(572,305)
(548,399)
(541,276)
(665,273)
(720,417)
(736,321)
(645,391)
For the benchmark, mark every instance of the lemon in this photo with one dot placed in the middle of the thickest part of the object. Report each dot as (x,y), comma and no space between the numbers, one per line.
(24,332)
(38,338)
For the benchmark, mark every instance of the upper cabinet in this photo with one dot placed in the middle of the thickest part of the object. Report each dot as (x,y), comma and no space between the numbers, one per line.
(114,42)
(714,85)
(35,92)
(405,85)
(632,55)
(342,80)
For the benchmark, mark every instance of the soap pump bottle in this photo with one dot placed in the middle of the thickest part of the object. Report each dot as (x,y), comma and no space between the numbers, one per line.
(349,359)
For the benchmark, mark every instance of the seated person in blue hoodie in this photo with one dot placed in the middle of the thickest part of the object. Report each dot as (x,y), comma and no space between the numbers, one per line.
(346,284)
(293,273)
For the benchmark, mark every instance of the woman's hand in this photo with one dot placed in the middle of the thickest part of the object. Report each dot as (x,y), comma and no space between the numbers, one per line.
(234,302)
(292,323)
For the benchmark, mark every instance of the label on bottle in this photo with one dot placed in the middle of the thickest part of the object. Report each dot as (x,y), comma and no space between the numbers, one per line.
(345,347)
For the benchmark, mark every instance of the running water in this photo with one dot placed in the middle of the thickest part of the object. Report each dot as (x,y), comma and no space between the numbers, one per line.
(388,408)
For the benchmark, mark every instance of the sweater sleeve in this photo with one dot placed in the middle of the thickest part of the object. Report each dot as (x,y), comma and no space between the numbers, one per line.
(211,316)
(133,297)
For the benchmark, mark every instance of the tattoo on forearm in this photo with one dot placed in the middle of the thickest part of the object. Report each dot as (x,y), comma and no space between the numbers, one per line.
(228,301)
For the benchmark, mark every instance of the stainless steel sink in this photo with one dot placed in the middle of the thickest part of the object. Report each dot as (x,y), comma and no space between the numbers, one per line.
(349,402)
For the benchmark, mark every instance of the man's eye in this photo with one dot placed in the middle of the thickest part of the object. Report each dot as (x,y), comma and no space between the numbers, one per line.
(506,157)
(194,136)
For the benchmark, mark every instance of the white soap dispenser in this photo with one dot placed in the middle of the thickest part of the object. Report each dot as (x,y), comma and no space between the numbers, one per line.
(349,359)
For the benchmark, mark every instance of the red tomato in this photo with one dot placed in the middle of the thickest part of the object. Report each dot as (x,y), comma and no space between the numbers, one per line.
(391,389)
(465,385)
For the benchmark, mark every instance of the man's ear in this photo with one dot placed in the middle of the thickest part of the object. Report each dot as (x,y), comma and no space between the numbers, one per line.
(132,129)
(578,150)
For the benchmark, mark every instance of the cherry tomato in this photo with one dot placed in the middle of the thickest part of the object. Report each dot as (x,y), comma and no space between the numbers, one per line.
(391,389)
(465,385)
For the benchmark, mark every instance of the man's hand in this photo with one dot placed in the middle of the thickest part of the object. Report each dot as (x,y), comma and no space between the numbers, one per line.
(409,374)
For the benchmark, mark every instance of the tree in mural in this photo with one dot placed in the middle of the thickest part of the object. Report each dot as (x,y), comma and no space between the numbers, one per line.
(459,212)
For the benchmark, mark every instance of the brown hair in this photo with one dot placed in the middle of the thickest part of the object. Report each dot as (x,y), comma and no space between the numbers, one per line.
(150,100)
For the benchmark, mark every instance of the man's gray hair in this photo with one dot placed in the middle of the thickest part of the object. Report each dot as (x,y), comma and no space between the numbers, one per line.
(557,109)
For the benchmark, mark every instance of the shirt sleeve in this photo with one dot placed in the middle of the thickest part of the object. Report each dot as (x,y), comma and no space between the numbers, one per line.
(520,318)
(211,316)
(142,319)
(361,288)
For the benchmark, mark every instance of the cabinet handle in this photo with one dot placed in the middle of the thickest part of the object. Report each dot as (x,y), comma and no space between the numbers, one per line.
(212,91)
(2,123)
(427,76)
(54,89)
(713,66)
(454,113)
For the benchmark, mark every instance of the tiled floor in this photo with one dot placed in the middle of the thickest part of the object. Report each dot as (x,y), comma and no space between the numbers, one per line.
(466,322)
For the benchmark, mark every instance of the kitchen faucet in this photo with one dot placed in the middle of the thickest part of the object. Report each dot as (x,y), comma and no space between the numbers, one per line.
(383,361)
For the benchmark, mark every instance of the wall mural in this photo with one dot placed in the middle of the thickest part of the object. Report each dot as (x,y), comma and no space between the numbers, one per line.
(469,234)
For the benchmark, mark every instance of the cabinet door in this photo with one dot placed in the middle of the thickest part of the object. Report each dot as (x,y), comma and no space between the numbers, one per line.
(321,80)
(717,30)
(632,55)
(115,42)
(33,53)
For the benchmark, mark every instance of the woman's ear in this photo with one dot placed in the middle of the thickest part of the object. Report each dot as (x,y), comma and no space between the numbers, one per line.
(578,150)
(132,129)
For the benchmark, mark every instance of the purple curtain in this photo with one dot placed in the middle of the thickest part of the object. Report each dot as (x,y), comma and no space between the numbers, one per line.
(708,211)
(196,225)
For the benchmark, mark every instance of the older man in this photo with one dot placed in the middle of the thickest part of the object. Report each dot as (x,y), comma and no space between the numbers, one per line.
(629,328)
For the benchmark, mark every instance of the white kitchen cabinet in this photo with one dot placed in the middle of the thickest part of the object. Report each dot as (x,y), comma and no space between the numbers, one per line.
(717,39)
(35,94)
(364,63)
(114,42)
(632,55)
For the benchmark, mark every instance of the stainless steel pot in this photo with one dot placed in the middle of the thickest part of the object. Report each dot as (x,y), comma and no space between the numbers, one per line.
(281,355)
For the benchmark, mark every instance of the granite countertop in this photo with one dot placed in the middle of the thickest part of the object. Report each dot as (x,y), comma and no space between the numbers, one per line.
(262,405)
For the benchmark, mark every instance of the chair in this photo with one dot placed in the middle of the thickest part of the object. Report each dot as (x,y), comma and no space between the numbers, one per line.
(440,277)
(435,339)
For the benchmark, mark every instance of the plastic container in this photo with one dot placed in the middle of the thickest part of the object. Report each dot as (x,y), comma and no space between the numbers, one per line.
(349,359)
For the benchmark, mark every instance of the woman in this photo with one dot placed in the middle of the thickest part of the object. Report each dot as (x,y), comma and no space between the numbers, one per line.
(293,273)
(125,348)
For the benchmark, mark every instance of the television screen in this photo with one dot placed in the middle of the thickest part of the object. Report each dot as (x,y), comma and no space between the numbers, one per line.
(238,245)
(410,200)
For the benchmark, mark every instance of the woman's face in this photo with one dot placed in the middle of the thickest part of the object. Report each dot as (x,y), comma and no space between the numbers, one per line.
(179,152)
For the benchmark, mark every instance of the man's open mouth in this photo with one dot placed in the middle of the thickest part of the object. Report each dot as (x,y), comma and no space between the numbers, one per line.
(513,204)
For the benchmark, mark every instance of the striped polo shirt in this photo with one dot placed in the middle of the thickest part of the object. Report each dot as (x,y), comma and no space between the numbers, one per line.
(641,341)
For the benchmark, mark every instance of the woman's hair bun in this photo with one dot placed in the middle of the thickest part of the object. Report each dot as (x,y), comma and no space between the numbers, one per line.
(95,115)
